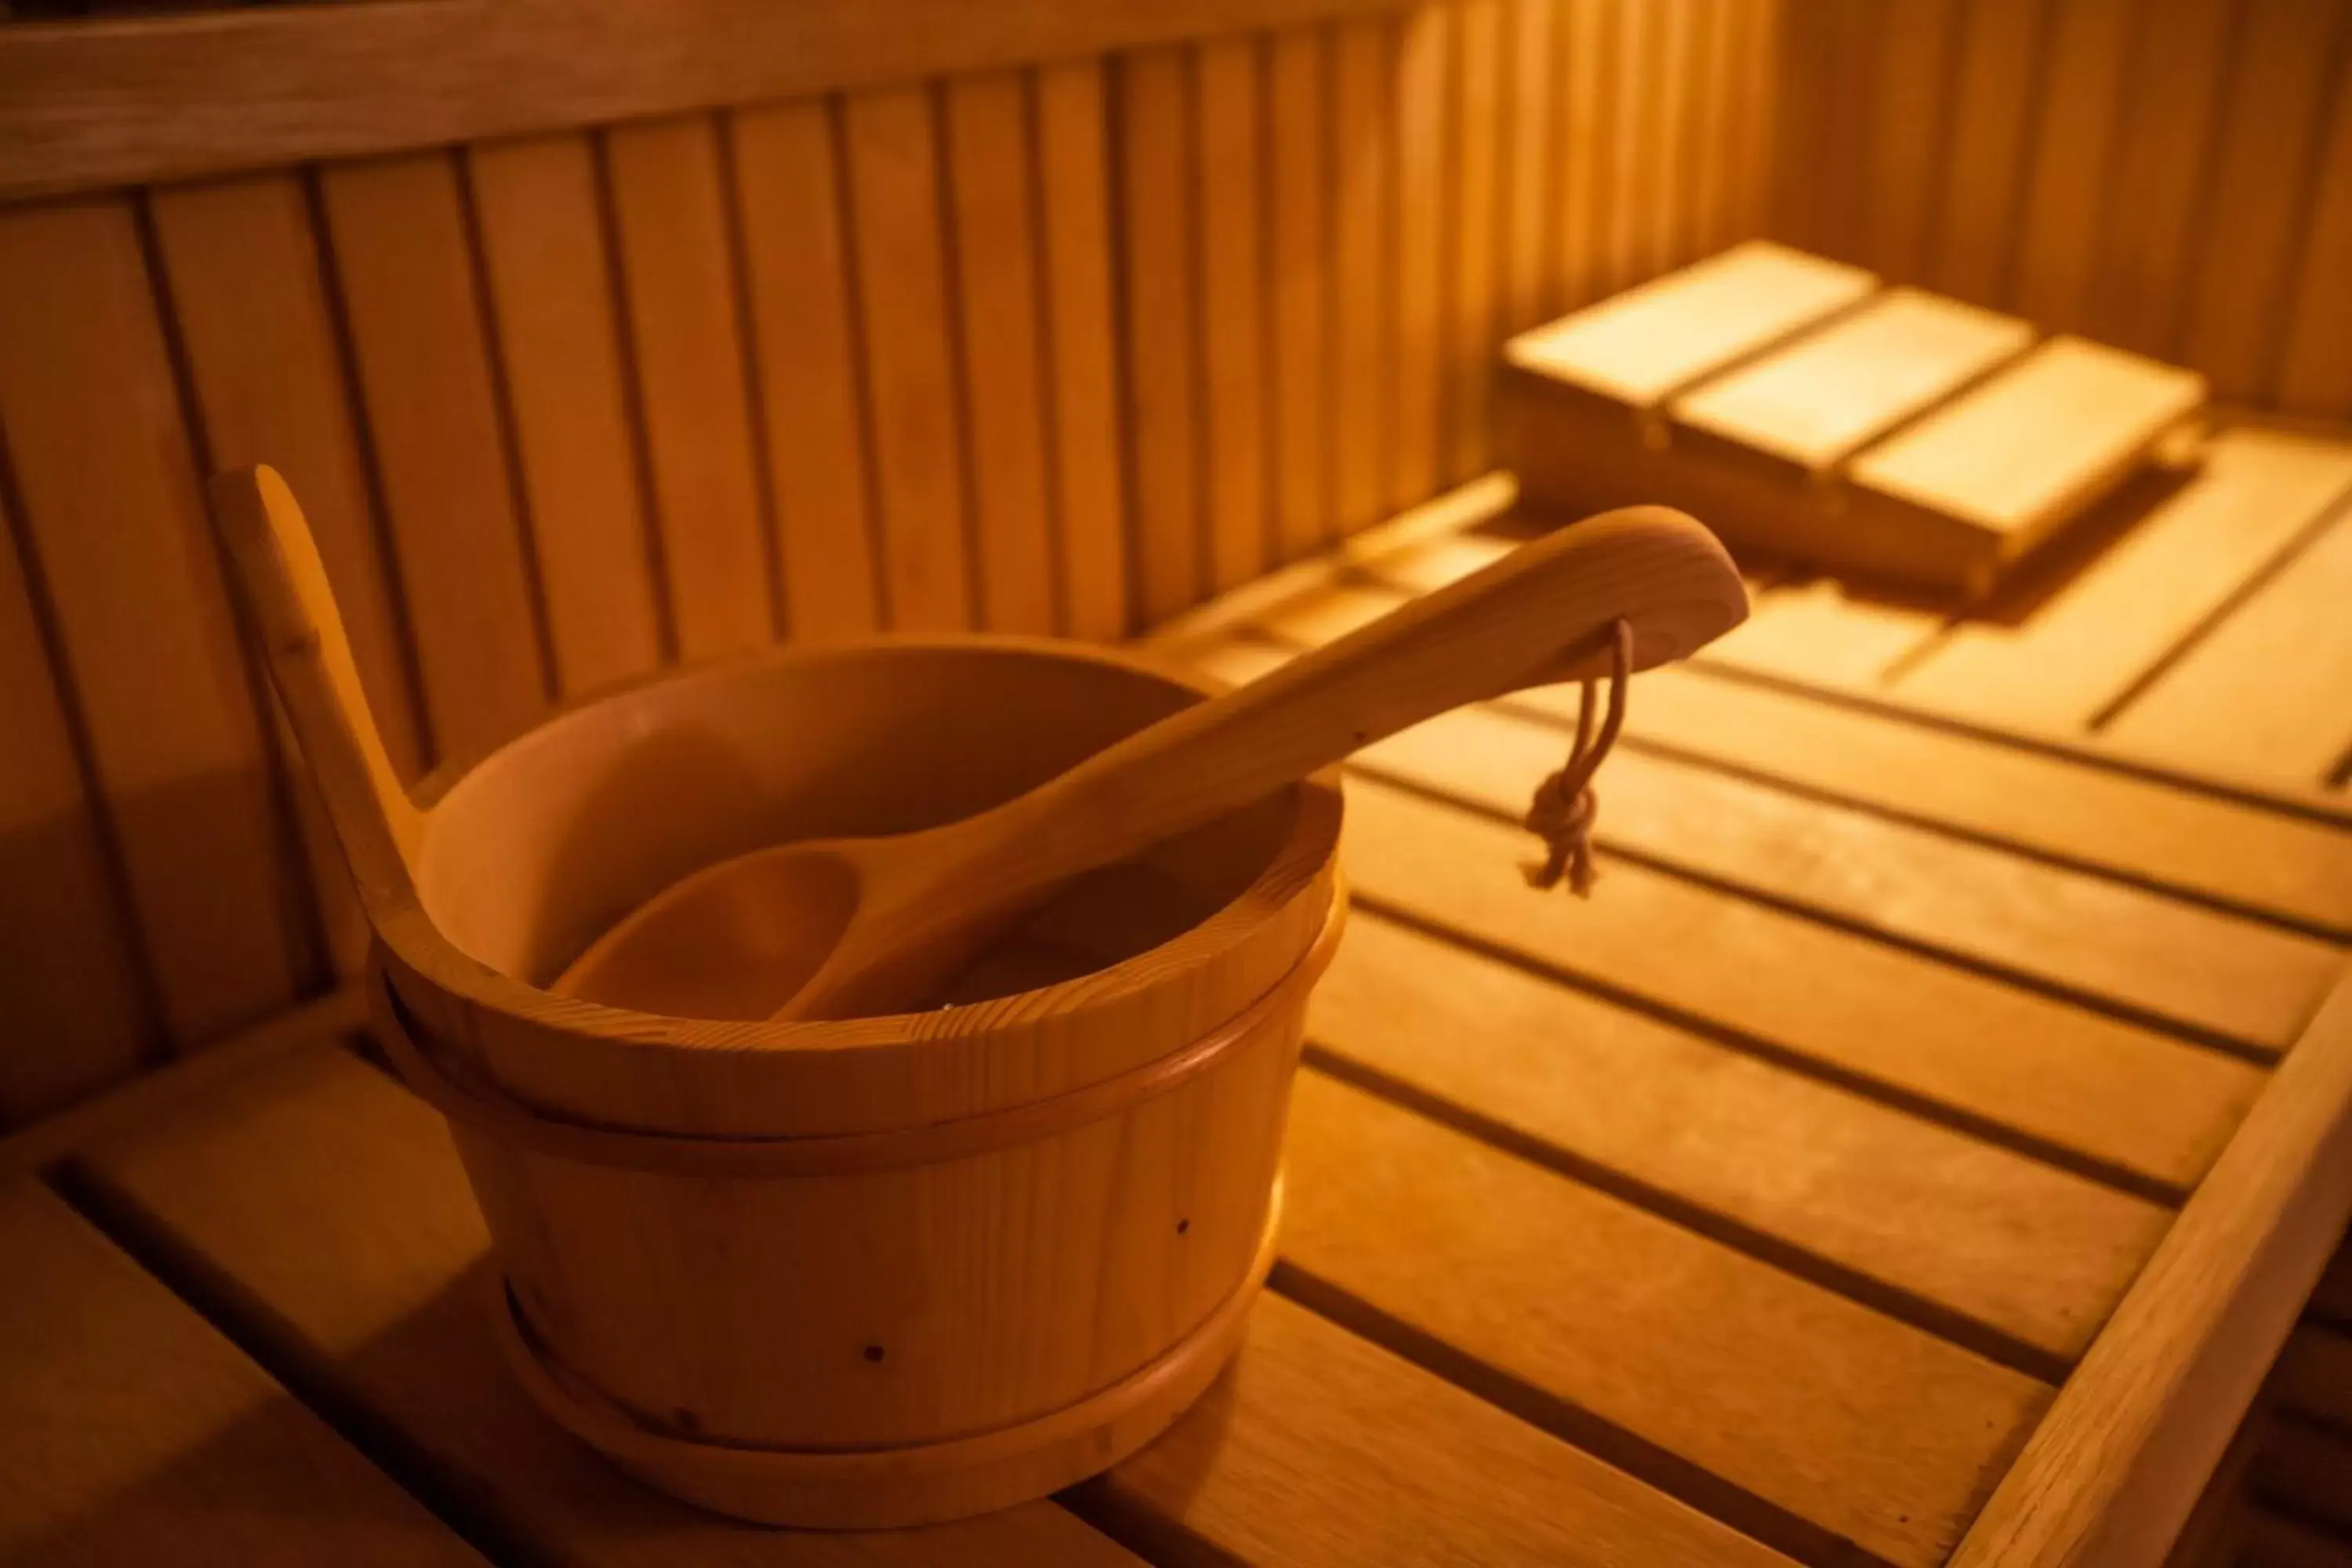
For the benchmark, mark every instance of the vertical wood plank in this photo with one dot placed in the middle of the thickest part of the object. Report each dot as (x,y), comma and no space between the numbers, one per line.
(1231,198)
(1910,84)
(1090,485)
(1720,37)
(2171,100)
(2315,372)
(1828,100)
(1363,165)
(993,196)
(70,987)
(1589,265)
(1675,130)
(241,263)
(1300,292)
(401,254)
(1634,142)
(1991,107)
(677,279)
(552,306)
(796,265)
(2276,103)
(901,263)
(1473,332)
(1422,63)
(2073,147)
(1529,204)
(1762,29)
(1162,394)
(106,483)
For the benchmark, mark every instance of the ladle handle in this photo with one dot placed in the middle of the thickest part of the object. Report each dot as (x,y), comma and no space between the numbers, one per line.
(283,586)
(1542,614)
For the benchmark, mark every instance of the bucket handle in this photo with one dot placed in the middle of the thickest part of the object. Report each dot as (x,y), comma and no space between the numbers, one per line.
(283,586)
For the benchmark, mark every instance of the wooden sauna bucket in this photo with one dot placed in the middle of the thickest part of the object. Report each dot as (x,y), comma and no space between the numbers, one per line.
(866,1273)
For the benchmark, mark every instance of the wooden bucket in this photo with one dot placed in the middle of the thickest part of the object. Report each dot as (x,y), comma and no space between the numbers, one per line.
(866,1273)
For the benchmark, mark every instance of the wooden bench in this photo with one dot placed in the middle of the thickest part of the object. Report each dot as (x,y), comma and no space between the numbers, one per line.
(1916,1152)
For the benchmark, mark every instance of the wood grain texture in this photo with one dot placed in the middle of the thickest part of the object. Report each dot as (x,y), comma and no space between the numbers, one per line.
(1863,1011)
(678,281)
(1322,1450)
(240,259)
(2082,650)
(2171,98)
(2279,88)
(1824,398)
(2112,1470)
(2073,147)
(1638,348)
(1231,168)
(992,200)
(1531,135)
(796,261)
(1776,1163)
(2085,934)
(1158,185)
(2145,830)
(2248,697)
(1992,87)
(1422,88)
(916,415)
(2020,455)
(330,1206)
(1588,261)
(551,307)
(170,96)
(1090,487)
(113,529)
(2313,371)
(1478,1250)
(1363,262)
(72,979)
(1299,246)
(136,1433)
(405,274)
(1474,276)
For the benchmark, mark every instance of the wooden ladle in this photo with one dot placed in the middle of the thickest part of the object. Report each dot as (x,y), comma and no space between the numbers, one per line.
(850,927)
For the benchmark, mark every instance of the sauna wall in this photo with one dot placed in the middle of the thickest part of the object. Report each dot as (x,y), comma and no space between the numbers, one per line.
(1053,348)
(2173,177)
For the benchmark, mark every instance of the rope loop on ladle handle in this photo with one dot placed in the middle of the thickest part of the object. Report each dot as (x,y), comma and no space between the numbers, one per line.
(1565,805)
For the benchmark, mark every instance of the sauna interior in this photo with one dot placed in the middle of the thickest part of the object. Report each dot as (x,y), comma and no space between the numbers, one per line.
(1930,1143)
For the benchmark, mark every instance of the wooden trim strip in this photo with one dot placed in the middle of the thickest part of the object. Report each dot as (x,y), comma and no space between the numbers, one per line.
(89,104)
(2111,1474)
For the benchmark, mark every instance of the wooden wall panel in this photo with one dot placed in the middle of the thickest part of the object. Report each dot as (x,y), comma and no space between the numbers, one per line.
(1230,170)
(104,477)
(551,303)
(915,412)
(71,981)
(1363,166)
(992,188)
(1036,348)
(672,221)
(1297,377)
(1156,187)
(2168,177)
(796,258)
(1089,471)
(414,313)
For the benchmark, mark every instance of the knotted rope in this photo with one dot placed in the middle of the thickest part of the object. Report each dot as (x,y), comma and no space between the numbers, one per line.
(1565,805)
